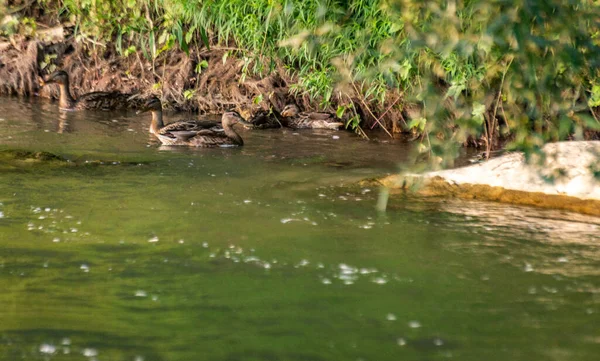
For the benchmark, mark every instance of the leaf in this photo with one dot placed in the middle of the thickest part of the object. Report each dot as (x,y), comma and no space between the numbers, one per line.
(353,122)
(152,44)
(455,89)
(168,45)
(190,34)
(189,94)
(257,99)
(590,122)
(225,56)
(119,43)
(201,65)
(418,123)
(163,37)
(594,100)
(404,70)
(478,113)
(340,111)
(178,32)
(396,27)
(204,38)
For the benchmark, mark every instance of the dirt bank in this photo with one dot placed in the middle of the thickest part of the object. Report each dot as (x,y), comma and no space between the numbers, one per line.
(205,80)
(172,75)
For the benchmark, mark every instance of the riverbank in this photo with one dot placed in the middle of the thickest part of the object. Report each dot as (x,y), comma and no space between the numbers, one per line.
(376,66)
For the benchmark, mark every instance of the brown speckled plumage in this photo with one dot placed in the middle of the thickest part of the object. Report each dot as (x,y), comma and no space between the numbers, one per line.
(194,133)
(264,119)
(96,100)
(293,118)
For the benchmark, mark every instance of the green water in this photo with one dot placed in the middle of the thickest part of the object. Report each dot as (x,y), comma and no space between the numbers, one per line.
(269,252)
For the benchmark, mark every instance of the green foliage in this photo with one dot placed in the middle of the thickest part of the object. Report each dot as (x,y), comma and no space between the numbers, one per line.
(594,100)
(189,94)
(490,67)
(261,30)
(525,64)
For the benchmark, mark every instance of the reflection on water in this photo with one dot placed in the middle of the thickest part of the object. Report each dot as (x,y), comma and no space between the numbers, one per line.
(270,251)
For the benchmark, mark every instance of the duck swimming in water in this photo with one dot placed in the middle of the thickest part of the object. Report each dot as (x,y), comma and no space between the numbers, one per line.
(293,118)
(194,133)
(96,100)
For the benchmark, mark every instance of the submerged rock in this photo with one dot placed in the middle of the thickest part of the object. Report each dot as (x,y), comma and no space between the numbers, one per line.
(23,159)
(565,176)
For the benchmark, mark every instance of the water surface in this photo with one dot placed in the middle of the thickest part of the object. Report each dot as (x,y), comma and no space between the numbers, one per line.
(270,252)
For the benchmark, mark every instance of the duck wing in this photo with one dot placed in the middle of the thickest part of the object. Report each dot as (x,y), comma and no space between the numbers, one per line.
(318,115)
(191,126)
(209,139)
(103,101)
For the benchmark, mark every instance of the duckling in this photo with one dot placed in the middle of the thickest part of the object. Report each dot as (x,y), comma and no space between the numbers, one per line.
(96,100)
(295,119)
(194,133)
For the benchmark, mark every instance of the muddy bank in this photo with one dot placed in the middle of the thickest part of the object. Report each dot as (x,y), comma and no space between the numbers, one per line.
(565,176)
(172,75)
(205,80)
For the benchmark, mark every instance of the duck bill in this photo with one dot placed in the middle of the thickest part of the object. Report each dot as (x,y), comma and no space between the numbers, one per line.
(48,79)
(244,122)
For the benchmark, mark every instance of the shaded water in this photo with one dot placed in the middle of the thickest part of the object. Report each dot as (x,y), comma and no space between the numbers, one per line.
(268,252)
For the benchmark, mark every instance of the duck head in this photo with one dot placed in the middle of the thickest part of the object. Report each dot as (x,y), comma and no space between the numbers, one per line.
(290,110)
(58,77)
(232,117)
(151,105)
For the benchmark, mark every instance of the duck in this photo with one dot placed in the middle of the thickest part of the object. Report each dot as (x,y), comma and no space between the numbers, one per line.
(97,100)
(264,119)
(193,133)
(295,119)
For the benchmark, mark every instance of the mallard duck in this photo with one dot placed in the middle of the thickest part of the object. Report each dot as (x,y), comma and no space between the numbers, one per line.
(293,118)
(264,119)
(96,100)
(194,133)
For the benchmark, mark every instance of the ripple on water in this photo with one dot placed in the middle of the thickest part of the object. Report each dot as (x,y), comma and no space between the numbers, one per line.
(47,349)
(414,324)
(89,352)
(344,273)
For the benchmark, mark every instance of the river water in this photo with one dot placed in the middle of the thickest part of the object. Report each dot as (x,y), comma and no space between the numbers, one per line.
(270,252)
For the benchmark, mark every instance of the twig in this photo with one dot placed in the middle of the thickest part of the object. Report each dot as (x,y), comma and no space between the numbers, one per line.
(360,131)
(16,10)
(491,132)
(504,115)
(224,48)
(94,42)
(590,108)
(370,112)
(387,110)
